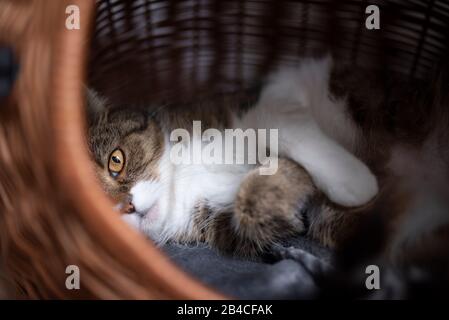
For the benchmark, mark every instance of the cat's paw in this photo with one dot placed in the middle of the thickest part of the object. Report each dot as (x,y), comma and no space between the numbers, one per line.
(351,185)
(267,209)
(133,219)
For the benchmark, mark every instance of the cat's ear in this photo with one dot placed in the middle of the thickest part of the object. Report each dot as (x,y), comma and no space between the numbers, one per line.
(95,104)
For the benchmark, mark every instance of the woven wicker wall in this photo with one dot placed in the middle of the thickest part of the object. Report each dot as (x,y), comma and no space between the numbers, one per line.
(146,48)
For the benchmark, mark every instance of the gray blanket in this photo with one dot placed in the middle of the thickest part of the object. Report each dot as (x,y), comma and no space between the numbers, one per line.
(289,272)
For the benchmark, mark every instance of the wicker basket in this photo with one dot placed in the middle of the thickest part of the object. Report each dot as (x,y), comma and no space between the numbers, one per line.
(52,211)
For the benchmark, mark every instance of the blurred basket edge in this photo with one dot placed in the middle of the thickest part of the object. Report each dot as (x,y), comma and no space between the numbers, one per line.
(53,213)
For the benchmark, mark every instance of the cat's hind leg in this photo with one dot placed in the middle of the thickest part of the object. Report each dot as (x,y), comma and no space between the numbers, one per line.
(314,131)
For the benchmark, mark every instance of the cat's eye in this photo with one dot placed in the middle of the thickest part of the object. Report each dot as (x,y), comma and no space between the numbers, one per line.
(116,162)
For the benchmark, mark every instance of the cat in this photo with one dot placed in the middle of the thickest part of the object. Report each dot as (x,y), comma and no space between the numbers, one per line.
(188,202)
(335,149)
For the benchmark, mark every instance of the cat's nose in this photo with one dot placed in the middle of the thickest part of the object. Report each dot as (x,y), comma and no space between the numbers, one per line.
(128,207)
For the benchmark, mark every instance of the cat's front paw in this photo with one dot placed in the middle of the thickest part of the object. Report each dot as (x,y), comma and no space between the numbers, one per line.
(352,185)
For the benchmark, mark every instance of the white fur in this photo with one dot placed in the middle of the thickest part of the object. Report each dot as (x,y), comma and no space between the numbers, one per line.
(133,219)
(312,131)
(179,189)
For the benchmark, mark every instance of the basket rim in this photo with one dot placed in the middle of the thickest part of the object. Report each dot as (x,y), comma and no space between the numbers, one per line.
(96,210)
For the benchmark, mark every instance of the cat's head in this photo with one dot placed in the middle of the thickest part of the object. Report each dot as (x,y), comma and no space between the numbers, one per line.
(126,145)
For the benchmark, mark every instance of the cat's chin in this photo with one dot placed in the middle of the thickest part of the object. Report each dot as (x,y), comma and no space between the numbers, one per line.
(152,214)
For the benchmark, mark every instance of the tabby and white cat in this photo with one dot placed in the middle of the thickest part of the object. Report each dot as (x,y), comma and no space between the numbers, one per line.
(323,115)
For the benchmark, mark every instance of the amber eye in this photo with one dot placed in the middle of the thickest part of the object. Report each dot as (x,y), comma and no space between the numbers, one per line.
(116,162)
